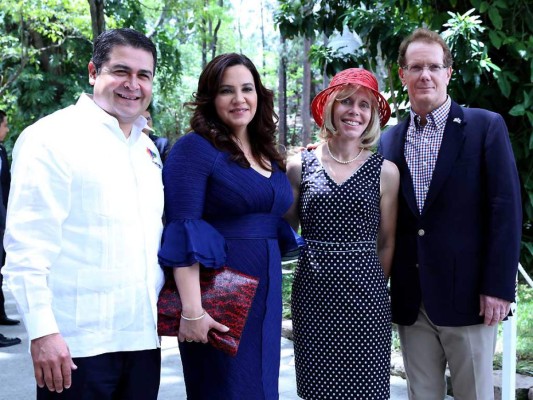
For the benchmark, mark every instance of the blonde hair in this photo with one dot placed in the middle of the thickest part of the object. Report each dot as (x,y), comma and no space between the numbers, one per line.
(371,134)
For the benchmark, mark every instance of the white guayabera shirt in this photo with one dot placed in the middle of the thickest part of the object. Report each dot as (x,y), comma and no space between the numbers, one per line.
(83,231)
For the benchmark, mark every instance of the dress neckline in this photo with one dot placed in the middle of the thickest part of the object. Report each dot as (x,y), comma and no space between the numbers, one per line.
(354,173)
(260,174)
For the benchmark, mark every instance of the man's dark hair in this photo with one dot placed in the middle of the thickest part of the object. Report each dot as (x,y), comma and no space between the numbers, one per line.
(107,40)
(2,116)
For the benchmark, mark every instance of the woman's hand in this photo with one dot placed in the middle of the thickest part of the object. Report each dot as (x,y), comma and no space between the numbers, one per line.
(197,330)
(195,322)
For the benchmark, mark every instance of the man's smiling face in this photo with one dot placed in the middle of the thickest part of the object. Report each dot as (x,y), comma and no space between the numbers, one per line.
(123,86)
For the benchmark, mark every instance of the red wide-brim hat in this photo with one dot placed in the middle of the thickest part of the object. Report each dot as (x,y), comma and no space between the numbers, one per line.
(351,76)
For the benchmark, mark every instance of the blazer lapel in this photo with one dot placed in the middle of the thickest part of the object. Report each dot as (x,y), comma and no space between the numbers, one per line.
(406,182)
(452,142)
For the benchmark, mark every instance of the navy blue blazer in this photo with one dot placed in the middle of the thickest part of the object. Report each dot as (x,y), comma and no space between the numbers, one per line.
(466,240)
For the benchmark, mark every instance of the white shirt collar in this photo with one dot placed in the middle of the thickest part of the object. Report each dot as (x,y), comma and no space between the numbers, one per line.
(87,103)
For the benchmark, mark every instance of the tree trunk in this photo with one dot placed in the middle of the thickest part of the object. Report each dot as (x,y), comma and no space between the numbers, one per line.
(215,40)
(282,95)
(206,32)
(204,43)
(97,17)
(306,95)
(239,29)
(215,33)
(325,79)
(44,55)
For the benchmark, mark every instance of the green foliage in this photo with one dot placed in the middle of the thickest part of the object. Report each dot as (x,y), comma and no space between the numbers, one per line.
(525,325)
(472,64)
(287,279)
(42,45)
(333,60)
(125,14)
(381,38)
(510,45)
(307,17)
(524,345)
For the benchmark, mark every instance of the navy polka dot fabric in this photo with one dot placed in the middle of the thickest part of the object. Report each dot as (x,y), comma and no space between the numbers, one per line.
(340,303)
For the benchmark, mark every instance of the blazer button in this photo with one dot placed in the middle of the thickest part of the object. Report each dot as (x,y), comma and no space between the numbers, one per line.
(416,265)
(421,232)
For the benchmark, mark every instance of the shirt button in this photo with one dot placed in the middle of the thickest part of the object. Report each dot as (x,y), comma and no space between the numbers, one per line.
(421,232)
(416,265)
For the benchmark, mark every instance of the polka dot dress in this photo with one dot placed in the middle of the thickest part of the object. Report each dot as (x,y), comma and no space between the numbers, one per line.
(340,304)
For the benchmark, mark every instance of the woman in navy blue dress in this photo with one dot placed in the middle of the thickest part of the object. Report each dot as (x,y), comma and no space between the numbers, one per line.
(225,194)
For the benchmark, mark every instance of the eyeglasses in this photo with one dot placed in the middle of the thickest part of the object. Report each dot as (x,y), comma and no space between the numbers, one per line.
(416,69)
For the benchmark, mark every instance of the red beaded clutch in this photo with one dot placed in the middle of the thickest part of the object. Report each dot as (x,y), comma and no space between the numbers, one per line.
(227,296)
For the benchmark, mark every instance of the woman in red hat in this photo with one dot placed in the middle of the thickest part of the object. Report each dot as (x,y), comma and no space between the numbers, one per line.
(345,201)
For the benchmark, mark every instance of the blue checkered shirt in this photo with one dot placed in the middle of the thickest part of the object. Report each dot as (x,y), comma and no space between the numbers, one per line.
(422,145)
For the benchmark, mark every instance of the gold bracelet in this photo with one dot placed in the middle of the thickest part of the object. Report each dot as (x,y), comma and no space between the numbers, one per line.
(193,319)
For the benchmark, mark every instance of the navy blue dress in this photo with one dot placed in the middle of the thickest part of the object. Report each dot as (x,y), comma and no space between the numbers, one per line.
(340,303)
(220,213)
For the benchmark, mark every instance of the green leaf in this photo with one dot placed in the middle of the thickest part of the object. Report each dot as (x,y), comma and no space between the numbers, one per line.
(501,4)
(530,118)
(505,86)
(495,17)
(518,110)
(528,98)
(493,66)
(528,245)
(483,7)
(495,39)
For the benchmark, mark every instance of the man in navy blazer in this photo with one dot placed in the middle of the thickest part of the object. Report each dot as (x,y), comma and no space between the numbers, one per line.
(458,232)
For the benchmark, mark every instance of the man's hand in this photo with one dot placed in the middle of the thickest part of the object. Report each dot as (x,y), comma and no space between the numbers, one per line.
(494,309)
(52,362)
(312,146)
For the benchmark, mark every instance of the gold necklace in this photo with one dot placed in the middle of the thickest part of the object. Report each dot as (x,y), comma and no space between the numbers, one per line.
(340,161)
